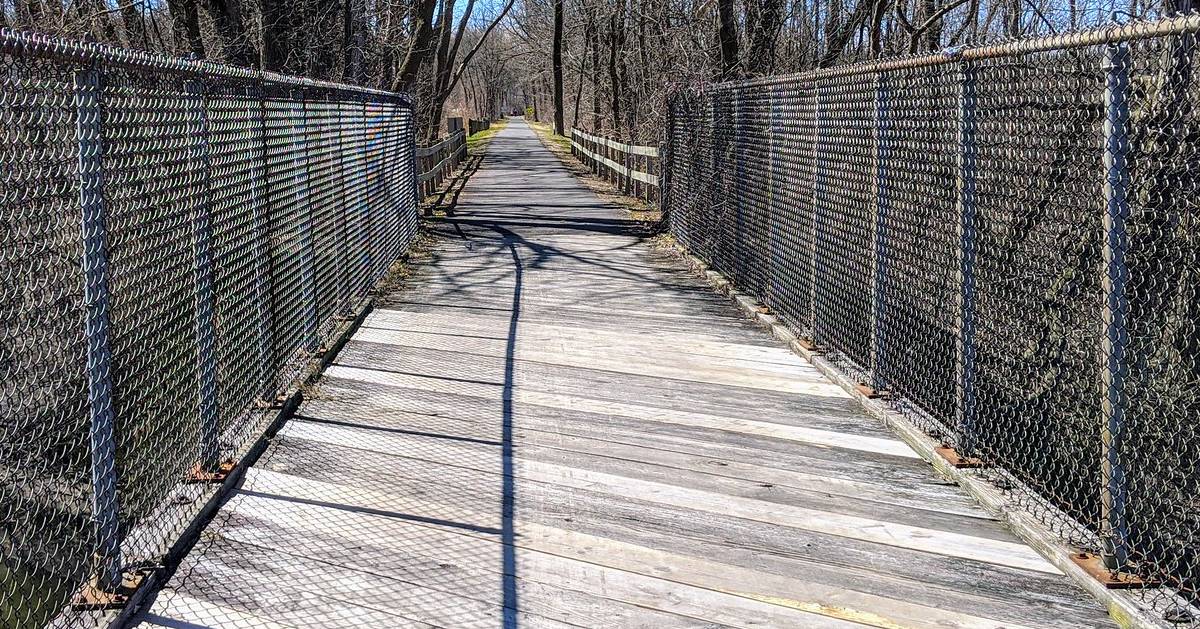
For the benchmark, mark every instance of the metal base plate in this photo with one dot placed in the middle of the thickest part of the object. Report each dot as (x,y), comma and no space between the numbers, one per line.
(1093,564)
(808,344)
(869,392)
(951,455)
(199,475)
(94,598)
(270,404)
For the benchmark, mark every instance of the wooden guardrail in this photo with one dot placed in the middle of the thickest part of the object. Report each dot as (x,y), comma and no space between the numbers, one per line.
(436,161)
(475,126)
(634,169)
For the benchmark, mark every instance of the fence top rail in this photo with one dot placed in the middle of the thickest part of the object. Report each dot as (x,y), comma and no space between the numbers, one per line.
(425,151)
(29,44)
(632,149)
(1109,34)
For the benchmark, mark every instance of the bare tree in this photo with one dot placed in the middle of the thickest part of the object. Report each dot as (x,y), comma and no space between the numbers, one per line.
(557,53)
(728,38)
(421,49)
(185,25)
(354,41)
(230,31)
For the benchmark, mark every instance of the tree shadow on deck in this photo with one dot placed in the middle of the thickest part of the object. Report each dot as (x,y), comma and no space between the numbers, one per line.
(508,530)
(447,198)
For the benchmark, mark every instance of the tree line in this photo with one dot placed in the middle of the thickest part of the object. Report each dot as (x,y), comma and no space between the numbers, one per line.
(603,65)
(611,67)
(419,46)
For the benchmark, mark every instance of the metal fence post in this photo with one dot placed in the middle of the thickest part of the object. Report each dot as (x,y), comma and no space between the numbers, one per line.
(879,236)
(967,228)
(308,269)
(264,275)
(815,235)
(367,219)
(666,164)
(732,147)
(343,308)
(105,508)
(1115,273)
(769,279)
(206,356)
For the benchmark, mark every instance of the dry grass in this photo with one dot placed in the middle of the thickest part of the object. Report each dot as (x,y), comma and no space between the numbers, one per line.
(477,144)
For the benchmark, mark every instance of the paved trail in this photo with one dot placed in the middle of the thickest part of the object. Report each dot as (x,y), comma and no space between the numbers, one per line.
(557,425)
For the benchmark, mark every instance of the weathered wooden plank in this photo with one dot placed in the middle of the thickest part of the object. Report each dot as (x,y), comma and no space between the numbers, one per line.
(880,445)
(892,572)
(378,349)
(174,608)
(794,593)
(725,325)
(391,406)
(457,565)
(551,441)
(480,455)
(882,531)
(666,365)
(831,412)
(323,592)
(565,327)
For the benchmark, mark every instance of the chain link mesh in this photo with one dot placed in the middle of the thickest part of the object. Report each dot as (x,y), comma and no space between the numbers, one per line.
(1004,242)
(180,242)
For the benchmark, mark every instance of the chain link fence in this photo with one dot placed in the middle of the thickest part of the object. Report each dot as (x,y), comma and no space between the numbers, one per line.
(179,242)
(1003,242)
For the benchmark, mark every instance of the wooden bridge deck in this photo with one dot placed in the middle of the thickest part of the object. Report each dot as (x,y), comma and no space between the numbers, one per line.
(557,425)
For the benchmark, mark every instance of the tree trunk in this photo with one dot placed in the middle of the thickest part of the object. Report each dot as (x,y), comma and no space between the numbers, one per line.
(728,36)
(421,49)
(592,33)
(135,26)
(93,16)
(616,26)
(230,29)
(764,34)
(185,25)
(933,34)
(445,25)
(557,62)
(30,14)
(354,41)
(579,90)
(278,34)
(841,34)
